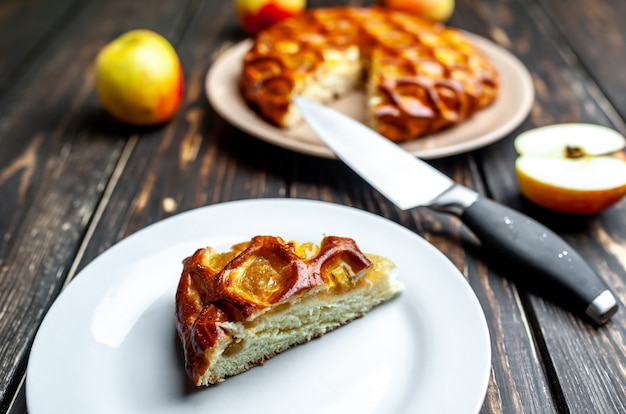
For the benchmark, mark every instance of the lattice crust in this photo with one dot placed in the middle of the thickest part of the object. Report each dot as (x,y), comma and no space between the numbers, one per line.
(419,77)
(236,309)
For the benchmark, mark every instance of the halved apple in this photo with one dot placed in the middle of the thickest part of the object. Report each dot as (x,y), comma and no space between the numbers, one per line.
(572,168)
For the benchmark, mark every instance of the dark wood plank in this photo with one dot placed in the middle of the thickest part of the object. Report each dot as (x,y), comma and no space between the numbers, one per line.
(574,352)
(595,36)
(25,28)
(58,152)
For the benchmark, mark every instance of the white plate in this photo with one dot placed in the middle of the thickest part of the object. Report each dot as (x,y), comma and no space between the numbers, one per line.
(514,101)
(109,344)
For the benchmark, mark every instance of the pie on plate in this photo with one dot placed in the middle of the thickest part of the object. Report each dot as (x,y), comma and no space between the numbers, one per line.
(514,101)
(419,77)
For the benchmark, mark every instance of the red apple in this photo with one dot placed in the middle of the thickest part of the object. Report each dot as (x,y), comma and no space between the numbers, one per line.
(433,10)
(139,78)
(572,168)
(256,15)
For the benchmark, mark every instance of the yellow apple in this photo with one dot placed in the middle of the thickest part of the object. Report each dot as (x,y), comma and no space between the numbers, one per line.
(572,168)
(139,78)
(256,15)
(433,10)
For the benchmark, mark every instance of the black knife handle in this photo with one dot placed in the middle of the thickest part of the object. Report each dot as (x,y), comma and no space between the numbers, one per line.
(550,264)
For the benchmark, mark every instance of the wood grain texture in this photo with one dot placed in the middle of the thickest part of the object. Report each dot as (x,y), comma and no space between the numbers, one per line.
(25,28)
(595,40)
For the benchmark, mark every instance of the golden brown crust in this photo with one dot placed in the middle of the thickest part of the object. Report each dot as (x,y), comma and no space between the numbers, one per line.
(425,76)
(253,277)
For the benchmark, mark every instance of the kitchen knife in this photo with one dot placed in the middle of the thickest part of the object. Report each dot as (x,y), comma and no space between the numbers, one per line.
(550,264)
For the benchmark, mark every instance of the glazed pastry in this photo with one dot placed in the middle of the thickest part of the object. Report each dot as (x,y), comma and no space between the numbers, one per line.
(419,77)
(236,309)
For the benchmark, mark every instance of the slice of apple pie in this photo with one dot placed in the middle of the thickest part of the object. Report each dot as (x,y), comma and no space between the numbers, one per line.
(236,309)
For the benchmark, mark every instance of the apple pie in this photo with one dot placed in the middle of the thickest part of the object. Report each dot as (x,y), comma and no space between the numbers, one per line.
(236,309)
(419,77)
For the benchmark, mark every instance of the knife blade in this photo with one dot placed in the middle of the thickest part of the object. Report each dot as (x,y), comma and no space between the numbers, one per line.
(551,264)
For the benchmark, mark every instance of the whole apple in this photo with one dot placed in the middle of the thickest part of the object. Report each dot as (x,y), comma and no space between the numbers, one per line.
(256,15)
(139,78)
(433,10)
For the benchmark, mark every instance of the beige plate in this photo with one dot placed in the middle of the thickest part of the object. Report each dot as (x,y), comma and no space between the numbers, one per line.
(507,112)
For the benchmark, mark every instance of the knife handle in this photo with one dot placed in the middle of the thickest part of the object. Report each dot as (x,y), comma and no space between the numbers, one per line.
(550,265)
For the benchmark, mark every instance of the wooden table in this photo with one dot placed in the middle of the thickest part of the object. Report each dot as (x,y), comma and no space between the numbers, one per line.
(73,182)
